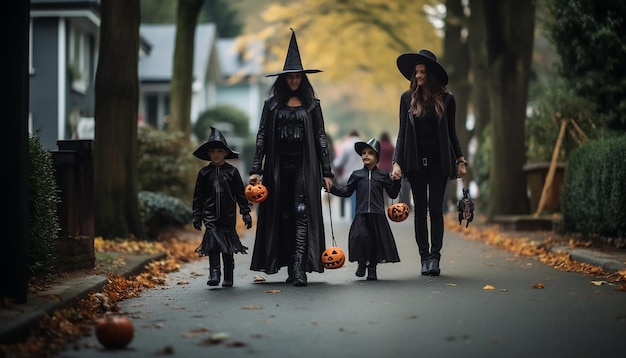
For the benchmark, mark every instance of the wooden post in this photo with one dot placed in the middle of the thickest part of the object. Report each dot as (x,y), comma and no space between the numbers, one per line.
(547,186)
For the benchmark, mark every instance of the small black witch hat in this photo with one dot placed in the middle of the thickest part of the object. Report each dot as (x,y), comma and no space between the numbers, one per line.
(293,62)
(372,143)
(216,140)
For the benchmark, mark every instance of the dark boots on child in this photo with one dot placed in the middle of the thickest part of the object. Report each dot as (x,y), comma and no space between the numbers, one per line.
(371,272)
(215,269)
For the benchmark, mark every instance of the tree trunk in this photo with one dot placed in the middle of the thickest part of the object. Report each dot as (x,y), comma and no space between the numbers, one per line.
(115,148)
(182,72)
(456,62)
(509,31)
(480,91)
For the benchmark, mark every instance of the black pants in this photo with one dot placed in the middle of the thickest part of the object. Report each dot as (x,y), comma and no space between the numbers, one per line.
(429,188)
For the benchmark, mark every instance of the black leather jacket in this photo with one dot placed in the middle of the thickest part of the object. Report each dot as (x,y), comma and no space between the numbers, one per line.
(218,189)
(370,186)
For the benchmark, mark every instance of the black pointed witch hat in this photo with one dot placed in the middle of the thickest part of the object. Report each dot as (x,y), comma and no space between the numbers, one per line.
(293,62)
(216,140)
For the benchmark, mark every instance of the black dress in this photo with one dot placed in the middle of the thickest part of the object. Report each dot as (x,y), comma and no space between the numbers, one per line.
(370,237)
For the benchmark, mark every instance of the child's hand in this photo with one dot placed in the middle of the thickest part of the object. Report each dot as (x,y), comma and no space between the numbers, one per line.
(247,219)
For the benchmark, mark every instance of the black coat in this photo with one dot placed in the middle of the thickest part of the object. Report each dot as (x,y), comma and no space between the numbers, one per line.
(406,154)
(269,254)
(218,190)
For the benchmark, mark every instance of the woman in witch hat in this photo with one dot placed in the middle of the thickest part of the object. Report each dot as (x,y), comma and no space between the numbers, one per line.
(428,151)
(219,188)
(370,240)
(292,159)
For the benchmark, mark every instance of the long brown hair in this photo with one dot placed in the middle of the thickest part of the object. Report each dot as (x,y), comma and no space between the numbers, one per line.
(435,89)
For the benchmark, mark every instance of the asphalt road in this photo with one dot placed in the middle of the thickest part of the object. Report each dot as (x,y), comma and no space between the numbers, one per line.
(402,314)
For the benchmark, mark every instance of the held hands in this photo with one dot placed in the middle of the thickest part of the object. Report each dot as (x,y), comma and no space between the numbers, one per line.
(247,219)
(396,172)
(328,183)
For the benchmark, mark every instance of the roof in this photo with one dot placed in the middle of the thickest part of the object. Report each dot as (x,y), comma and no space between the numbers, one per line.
(157,66)
(236,61)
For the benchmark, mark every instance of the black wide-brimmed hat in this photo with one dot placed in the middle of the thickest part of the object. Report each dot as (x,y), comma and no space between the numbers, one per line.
(372,143)
(293,62)
(216,140)
(407,61)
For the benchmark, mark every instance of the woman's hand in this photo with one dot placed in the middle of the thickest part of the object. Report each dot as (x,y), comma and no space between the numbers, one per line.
(461,167)
(255,179)
(396,172)
(328,183)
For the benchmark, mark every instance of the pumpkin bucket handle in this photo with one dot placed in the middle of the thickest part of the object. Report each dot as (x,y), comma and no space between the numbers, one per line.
(330,213)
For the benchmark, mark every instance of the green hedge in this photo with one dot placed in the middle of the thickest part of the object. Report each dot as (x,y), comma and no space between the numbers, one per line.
(43,200)
(594,189)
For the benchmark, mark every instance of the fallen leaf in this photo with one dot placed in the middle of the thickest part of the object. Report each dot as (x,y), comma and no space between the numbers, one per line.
(258,278)
(273,291)
(250,308)
(600,283)
(538,285)
(489,287)
(197,331)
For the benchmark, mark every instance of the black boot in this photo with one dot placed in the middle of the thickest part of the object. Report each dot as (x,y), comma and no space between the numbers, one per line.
(214,269)
(371,272)
(425,267)
(433,267)
(229,270)
(299,274)
(300,254)
(290,273)
(360,270)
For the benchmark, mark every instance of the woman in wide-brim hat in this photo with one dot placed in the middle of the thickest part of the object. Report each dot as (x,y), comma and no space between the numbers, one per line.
(292,159)
(428,152)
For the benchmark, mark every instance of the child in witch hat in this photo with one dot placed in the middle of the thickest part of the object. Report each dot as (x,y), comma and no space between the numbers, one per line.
(219,188)
(370,240)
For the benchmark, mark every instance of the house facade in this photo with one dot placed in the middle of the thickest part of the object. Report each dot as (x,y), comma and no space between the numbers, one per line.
(64,49)
(63,52)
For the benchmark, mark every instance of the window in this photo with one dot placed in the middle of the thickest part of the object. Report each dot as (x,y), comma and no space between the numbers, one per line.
(79,59)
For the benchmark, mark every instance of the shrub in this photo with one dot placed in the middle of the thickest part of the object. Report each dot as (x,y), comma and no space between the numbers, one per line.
(553,103)
(221,113)
(166,163)
(43,200)
(594,190)
(160,211)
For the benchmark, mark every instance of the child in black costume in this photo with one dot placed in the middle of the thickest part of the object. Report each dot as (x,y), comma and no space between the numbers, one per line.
(370,240)
(218,189)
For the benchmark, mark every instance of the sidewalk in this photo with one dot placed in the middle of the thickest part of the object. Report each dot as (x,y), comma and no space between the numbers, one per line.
(16,322)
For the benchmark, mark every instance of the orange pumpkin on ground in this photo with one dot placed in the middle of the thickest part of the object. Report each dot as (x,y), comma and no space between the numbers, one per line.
(114,331)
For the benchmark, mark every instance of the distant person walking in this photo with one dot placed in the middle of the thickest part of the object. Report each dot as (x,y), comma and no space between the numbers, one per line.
(346,162)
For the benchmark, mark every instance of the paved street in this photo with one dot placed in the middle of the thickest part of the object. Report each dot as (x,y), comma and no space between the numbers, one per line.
(402,314)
